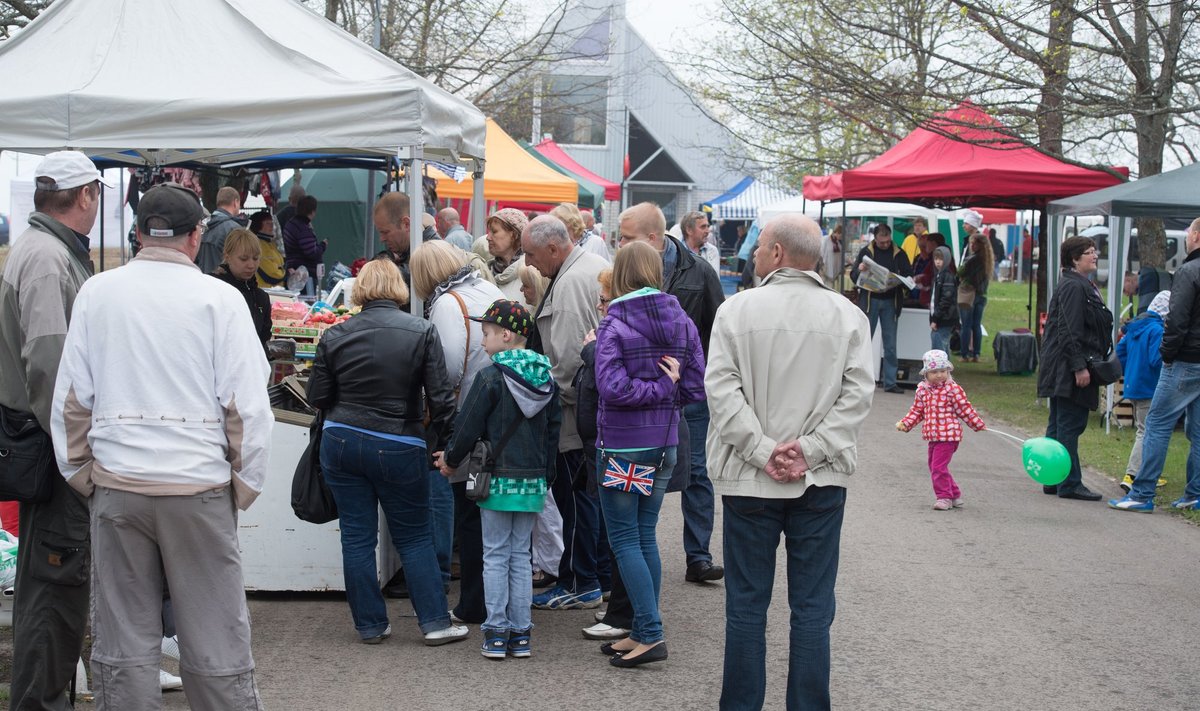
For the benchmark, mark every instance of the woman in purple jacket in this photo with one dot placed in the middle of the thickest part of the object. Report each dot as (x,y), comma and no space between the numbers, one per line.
(300,243)
(649,363)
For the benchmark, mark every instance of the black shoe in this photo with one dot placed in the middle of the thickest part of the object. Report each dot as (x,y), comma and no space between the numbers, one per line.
(544,580)
(1081,493)
(894,389)
(607,648)
(703,571)
(1049,490)
(657,653)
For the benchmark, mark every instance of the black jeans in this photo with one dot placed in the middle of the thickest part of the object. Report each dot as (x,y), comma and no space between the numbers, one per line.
(1068,420)
(468,531)
(581,525)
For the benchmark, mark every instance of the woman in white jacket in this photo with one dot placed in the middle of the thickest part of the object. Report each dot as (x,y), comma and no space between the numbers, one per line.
(452,291)
(504,243)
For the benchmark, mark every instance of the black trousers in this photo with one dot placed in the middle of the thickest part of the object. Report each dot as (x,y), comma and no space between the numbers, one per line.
(468,531)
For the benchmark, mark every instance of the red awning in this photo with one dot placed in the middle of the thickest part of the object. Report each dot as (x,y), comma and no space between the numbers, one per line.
(552,151)
(986,167)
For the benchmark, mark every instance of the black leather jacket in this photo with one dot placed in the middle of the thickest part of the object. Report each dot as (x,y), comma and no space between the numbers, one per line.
(370,371)
(698,288)
(1078,327)
(1181,333)
(944,297)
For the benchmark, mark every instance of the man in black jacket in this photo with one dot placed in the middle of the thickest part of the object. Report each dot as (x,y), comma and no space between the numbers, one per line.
(1178,390)
(698,289)
(884,308)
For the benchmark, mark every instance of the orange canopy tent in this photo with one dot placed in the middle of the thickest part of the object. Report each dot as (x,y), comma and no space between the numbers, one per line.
(510,174)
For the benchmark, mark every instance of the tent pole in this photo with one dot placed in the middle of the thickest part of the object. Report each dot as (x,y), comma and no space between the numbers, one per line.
(368,219)
(478,204)
(102,215)
(416,207)
(122,239)
(845,246)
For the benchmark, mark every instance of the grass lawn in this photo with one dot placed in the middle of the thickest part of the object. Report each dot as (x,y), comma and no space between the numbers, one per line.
(1012,400)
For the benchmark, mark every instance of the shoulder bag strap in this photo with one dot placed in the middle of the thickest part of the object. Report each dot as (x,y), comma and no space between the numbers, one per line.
(462,305)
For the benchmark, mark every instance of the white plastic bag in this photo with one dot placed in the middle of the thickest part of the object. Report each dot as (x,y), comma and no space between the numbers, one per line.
(297,278)
(8,560)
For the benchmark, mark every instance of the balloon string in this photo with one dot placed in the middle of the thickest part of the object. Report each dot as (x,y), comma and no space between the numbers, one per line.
(1018,440)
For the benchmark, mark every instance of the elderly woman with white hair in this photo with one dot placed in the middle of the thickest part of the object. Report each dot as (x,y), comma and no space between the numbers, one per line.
(454,290)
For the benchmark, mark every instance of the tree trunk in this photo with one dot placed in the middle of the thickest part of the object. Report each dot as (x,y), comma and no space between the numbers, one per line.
(1055,76)
(1152,240)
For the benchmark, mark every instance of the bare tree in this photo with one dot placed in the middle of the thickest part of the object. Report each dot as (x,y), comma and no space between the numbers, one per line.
(15,14)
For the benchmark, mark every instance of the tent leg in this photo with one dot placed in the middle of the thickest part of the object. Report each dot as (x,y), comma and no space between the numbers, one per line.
(478,204)
(368,219)
(416,207)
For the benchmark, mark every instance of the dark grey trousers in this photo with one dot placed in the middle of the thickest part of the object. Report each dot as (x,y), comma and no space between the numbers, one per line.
(51,605)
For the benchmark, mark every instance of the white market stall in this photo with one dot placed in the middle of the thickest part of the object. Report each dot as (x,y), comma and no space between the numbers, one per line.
(128,81)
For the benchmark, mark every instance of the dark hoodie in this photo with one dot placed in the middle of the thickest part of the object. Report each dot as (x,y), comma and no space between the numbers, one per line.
(639,405)
(943,298)
(518,385)
(256,299)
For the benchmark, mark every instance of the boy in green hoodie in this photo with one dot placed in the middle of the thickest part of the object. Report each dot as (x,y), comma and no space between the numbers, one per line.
(515,398)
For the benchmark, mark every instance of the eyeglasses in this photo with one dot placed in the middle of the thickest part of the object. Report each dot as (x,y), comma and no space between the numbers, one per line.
(604,300)
(1089,253)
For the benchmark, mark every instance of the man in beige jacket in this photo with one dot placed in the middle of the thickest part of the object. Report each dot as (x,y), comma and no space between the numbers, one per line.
(789,384)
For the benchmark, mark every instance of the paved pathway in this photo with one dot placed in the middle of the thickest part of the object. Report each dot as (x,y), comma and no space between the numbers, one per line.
(1017,601)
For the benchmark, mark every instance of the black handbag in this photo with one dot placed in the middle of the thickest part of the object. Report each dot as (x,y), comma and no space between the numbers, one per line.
(1105,370)
(312,500)
(481,463)
(26,458)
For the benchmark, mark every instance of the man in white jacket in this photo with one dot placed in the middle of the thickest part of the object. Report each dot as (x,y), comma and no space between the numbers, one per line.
(161,417)
(789,385)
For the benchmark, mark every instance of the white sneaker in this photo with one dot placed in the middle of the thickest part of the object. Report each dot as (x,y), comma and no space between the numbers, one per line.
(603,631)
(168,681)
(455,619)
(170,647)
(446,635)
(600,614)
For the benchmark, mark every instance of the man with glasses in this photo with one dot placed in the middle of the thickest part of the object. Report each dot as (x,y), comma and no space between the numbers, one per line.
(46,267)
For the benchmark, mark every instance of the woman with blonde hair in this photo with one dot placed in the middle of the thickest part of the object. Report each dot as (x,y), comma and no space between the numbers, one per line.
(239,269)
(649,363)
(504,244)
(533,285)
(368,380)
(580,236)
(453,290)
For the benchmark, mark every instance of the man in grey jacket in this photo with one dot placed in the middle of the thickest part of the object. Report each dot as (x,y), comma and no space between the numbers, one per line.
(46,267)
(566,314)
(789,385)
(225,219)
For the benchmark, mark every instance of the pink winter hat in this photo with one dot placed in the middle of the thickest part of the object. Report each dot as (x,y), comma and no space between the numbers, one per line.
(936,360)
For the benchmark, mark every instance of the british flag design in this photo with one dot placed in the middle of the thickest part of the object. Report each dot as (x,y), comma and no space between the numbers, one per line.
(628,476)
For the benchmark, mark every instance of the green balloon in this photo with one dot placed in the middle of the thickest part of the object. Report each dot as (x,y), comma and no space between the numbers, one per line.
(1046,460)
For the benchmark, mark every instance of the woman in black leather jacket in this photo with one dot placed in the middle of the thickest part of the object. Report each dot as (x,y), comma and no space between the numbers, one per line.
(368,380)
(1078,327)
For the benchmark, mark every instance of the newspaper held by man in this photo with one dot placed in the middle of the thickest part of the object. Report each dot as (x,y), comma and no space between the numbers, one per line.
(878,279)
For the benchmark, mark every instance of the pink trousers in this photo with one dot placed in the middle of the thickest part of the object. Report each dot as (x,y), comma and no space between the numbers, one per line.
(939,470)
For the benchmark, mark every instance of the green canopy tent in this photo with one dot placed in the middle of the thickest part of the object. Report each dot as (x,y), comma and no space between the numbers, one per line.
(342,198)
(591,195)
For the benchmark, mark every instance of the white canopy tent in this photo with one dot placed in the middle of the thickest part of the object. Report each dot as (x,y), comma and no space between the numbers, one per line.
(147,82)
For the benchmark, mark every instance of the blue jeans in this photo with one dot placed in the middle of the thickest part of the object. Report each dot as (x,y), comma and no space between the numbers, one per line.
(1068,420)
(939,339)
(441,519)
(697,499)
(1178,392)
(811,527)
(631,519)
(507,570)
(366,473)
(581,525)
(883,312)
(972,327)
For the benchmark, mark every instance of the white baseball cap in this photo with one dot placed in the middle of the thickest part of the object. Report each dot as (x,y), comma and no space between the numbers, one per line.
(63,170)
(973,219)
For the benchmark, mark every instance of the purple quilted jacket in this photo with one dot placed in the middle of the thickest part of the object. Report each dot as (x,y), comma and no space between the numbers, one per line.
(639,405)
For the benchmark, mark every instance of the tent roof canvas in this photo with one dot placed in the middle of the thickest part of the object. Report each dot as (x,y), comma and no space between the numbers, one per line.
(591,195)
(106,76)
(551,150)
(987,167)
(510,174)
(744,200)
(1171,194)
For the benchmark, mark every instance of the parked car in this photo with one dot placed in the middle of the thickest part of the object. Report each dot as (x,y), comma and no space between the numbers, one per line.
(3,230)
(1176,250)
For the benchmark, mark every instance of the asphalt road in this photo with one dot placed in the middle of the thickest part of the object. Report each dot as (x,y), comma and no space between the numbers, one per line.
(1016,601)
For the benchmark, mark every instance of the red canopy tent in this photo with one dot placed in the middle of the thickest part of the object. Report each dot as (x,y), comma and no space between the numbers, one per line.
(985,166)
(553,152)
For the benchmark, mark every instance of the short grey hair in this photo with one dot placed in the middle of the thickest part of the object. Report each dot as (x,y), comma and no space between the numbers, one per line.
(545,229)
(296,192)
(689,221)
(799,236)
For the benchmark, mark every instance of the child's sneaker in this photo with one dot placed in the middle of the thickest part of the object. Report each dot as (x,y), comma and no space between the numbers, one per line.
(1127,483)
(518,644)
(943,505)
(495,644)
(957,503)
(1186,502)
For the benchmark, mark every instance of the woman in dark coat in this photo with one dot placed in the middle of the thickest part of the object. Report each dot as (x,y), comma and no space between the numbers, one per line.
(1078,327)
